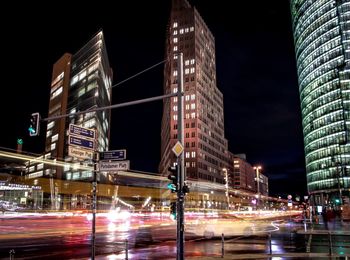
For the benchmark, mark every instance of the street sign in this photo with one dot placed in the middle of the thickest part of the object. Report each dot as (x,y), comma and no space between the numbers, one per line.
(113,155)
(178,149)
(81,131)
(87,144)
(114,166)
(80,153)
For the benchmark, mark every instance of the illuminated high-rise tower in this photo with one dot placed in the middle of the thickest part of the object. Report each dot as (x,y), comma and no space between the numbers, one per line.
(79,82)
(204,141)
(322,46)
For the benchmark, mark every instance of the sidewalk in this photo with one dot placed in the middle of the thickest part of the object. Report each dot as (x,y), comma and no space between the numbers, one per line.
(336,227)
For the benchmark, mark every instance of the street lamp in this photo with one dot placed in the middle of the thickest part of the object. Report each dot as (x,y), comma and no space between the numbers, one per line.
(257,168)
(226,186)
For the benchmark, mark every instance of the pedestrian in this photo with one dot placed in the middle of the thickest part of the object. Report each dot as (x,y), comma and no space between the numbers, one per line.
(324,217)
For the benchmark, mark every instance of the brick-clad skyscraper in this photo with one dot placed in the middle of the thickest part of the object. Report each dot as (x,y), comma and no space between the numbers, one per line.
(204,141)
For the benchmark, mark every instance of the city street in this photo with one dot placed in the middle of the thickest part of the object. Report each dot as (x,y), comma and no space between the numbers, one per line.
(66,236)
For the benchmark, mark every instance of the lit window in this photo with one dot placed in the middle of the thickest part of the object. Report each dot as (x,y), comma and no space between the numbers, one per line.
(187,97)
(50,125)
(175,90)
(193,154)
(175,99)
(192,70)
(193,97)
(175,40)
(193,106)
(187,71)
(193,115)
(175,117)
(175,73)
(54,138)
(186,30)
(181,31)
(53,146)
(82,75)
(187,62)
(175,32)
(175,108)
(48,133)
(74,80)
(192,61)
(81,92)
(187,106)
(187,116)
(56,93)
(175,25)
(191,28)
(175,56)
(187,154)
(39,166)
(175,48)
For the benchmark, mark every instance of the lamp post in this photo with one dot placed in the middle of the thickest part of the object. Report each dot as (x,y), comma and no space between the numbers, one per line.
(257,168)
(226,186)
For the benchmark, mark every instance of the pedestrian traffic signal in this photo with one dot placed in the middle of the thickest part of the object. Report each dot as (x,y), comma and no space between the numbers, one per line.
(34,124)
(173,210)
(173,177)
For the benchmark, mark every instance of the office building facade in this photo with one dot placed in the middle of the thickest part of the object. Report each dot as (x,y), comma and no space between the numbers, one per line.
(322,45)
(79,82)
(205,146)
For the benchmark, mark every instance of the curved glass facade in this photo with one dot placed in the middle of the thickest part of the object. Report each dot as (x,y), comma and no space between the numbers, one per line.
(322,45)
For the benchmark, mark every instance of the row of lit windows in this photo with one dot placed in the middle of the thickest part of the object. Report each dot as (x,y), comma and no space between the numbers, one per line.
(316,25)
(317,112)
(311,15)
(320,90)
(307,22)
(320,102)
(56,93)
(325,32)
(325,60)
(328,130)
(321,54)
(183,30)
(320,71)
(329,76)
(82,74)
(323,142)
(328,184)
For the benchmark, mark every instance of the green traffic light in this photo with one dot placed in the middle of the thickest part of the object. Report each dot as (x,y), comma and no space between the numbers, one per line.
(337,201)
(171,186)
(31,130)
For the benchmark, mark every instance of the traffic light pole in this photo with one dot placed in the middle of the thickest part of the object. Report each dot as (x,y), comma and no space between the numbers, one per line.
(180,235)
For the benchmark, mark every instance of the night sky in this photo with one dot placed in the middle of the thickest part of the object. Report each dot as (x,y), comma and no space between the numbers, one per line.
(256,72)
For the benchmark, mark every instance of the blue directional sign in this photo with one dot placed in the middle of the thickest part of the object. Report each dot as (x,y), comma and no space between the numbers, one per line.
(87,144)
(81,131)
(113,155)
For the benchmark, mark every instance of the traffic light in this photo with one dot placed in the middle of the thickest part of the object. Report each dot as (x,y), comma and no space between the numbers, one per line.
(173,177)
(34,126)
(337,201)
(173,210)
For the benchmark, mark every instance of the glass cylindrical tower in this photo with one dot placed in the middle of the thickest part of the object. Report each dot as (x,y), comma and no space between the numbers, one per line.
(322,45)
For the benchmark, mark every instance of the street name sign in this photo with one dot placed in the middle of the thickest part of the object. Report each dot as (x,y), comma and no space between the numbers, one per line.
(81,131)
(80,153)
(114,166)
(113,155)
(87,144)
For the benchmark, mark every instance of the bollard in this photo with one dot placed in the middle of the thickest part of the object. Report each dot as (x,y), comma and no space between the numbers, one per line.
(222,245)
(270,243)
(330,243)
(126,249)
(12,254)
